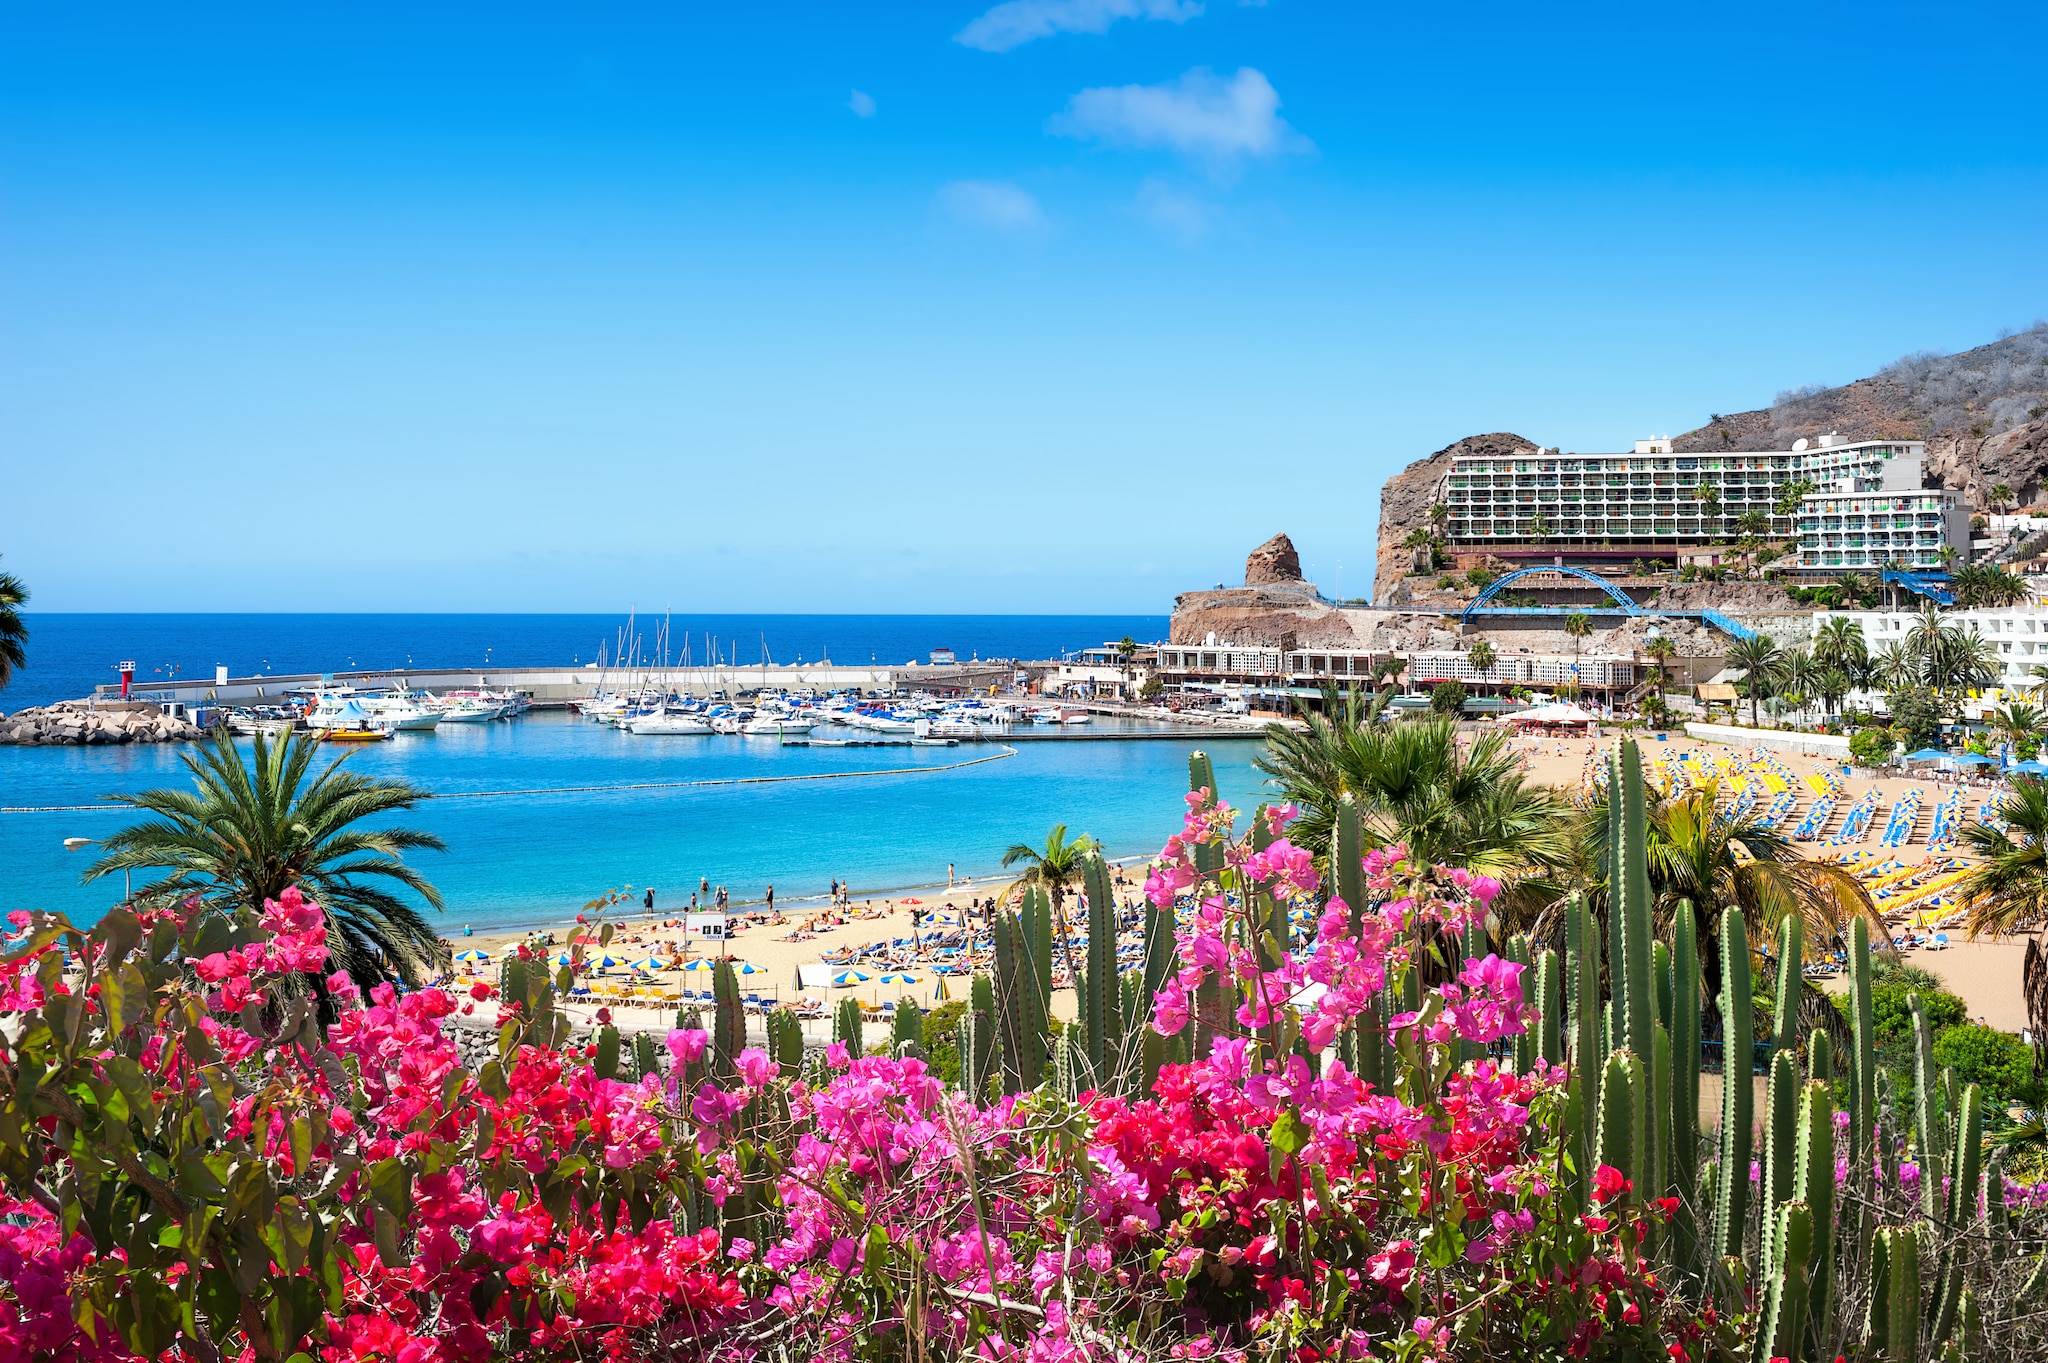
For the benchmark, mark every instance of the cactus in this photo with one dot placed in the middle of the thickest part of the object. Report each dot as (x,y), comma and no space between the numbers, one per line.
(1928,1129)
(1901,1257)
(846,1027)
(1791,954)
(1020,1017)
(1813,1184)
(646,1056)
(1732,1196)
(975,1035)
(1964,1183)
(1549,1010)
(1863,1061)
(786,1040)
(1202,781)
(1102,1001)
(1685,1082)
(1624,1109)
(907,1027)
(1781,1329)
(1781,1120)
(605,1064)
(1070,1063)
(728,1020)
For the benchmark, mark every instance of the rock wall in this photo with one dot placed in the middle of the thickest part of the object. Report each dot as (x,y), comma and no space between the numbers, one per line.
(1260,615)
(74,722)
(1405,501)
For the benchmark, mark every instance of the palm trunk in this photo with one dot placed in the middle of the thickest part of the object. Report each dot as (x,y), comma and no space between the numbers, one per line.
(1059,914)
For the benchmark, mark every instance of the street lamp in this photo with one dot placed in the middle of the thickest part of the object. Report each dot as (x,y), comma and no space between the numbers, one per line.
(80,844)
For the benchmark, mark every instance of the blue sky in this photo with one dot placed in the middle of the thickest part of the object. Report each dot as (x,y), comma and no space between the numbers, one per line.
(1060,305)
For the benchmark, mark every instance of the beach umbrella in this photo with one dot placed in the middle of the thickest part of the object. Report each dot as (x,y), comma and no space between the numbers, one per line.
(651,963)
(1926,755)
(702,963)
(607,963)
(565,959)
(472,955)
(910,903)
(2031,767)
(849,977)
(899,977)
(1973,759)
(747,968)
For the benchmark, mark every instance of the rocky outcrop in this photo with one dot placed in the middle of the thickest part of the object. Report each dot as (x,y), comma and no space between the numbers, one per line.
(1272,562)
(79,723)
(1405,501)
(1274,617)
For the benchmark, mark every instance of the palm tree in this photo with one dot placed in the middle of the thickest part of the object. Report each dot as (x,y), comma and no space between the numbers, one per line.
(2039,683)
(1414,783)
(2015,722)
(250,832)
(13,634)
(1796,675)
(2008,891)
(1055,868)
(2001,497)
(1660,650)
(1578,624)
(1761,662)
(1831,685)
(1839,643)
(1480,657)
(1892,667)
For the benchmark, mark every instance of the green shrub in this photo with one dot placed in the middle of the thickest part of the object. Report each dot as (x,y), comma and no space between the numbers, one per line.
(1998,1062)
(1871,747)
(1894,1022)
(1447,698)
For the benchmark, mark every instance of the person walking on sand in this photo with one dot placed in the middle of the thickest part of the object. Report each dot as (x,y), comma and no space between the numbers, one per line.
(771,899)
(650,899)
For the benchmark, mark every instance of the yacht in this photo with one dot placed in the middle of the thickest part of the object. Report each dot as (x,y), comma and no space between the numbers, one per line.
(666,722)
(772,724)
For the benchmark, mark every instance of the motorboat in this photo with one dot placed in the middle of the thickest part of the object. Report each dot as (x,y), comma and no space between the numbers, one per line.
(372,735)
(675,722)
(773,724)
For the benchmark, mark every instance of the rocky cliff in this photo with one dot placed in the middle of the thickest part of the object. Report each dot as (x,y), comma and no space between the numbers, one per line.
(74,722)
(1274,606)
(1405,501)
(1983,414)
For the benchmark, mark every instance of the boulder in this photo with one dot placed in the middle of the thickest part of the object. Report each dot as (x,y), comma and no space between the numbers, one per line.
(1272,563)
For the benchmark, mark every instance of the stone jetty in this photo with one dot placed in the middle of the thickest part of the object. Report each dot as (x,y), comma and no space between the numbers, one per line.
(81,722)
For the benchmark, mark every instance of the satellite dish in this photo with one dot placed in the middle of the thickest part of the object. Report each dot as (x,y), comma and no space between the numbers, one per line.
(1799,444)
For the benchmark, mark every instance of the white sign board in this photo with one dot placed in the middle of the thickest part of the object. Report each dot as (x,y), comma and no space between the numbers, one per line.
(704,925)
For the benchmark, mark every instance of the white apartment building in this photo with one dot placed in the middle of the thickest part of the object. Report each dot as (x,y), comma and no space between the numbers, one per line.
(1590,509)
(1868,510)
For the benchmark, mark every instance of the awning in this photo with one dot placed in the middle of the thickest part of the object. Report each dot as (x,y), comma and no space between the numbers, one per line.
(1717,692)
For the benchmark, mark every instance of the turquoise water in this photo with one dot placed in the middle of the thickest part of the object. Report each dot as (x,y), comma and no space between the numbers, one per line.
(533,858)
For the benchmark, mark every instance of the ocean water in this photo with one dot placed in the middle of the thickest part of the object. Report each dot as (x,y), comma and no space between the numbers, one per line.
(581,808)
(69,654)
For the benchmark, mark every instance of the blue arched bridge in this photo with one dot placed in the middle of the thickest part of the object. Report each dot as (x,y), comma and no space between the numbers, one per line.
(1486,604)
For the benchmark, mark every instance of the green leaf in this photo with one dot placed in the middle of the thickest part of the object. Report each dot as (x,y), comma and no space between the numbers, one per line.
(1288,1135)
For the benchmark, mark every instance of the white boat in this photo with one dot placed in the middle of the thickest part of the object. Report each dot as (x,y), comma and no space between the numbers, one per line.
(468,712)
(772,725)
(666,722)
(402,712)
(1072,715)
(954,728)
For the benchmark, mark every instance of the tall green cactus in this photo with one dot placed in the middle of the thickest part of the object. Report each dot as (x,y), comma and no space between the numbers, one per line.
(906,1026)
(1022,1026)
(846,1027)
(1929,1147)
(605,1064)
(786,1040)
(1102,1008)
(1902,1294)
(1737,1028)
(1202,781)
(974,1035)
(1549,1009)
(1863,1059)
(1624,1119)
(1781,1328)
(1791,955)
(1685,1082)
(728,1020)
(1781,1126)
(1070,1077)
(1813,1184)
(1965,1182)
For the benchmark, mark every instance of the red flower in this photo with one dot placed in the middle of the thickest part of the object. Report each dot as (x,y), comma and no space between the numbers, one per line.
(1609,1183)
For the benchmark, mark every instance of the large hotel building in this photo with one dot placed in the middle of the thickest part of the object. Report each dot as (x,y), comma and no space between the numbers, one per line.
(1865,508)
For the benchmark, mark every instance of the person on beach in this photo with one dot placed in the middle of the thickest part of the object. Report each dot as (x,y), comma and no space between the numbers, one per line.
(650,899)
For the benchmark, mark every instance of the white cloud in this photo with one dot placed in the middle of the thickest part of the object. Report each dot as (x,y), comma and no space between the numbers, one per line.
(991,203)
(1183,215)
(1201,115)
(862,103)
(1016,22)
